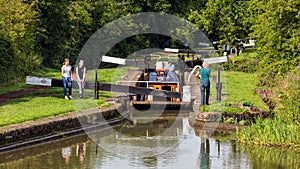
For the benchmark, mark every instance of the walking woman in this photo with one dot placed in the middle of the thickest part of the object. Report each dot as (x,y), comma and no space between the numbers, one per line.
(66,71)
(204,83)
(80,73)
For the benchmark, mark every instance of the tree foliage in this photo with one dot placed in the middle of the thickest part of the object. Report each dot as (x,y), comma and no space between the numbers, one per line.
(17,40)
(277,34)
(273,23)
(287,96)
(223,20)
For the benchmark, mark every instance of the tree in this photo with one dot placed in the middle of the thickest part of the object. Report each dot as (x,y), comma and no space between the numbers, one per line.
(53,31)
(223,20)
(17,30)
(277,35)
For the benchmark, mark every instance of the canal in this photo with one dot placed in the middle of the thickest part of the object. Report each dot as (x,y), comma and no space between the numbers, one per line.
(165,144)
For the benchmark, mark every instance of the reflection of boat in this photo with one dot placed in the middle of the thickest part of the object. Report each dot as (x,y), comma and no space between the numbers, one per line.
(154,129)
(145,137)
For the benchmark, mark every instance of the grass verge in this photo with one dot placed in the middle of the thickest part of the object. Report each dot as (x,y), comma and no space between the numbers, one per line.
(282,130)
(238,88)
(31,108)
(271,132)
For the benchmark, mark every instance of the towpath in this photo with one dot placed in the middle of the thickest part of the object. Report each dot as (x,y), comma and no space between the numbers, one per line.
(20,93)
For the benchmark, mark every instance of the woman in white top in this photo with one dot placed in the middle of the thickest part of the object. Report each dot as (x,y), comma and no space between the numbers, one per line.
(66,71)
(80,73)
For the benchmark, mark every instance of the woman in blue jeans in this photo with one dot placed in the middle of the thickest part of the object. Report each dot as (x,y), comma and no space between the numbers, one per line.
(204,83)
(66,71)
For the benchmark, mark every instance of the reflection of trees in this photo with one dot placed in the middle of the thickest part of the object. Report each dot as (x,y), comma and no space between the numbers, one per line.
(150,161)
(270,157)
(235,156)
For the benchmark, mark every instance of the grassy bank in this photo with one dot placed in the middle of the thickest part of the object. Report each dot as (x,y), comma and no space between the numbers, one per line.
(284,129)
(271,132)
(50,102)
(238,88)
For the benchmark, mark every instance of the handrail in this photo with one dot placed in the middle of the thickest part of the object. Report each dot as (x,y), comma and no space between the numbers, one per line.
(197,66)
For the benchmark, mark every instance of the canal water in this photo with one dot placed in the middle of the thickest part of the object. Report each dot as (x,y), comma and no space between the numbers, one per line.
(161,144)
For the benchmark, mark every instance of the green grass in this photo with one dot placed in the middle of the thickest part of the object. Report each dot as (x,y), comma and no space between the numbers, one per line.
(246,54)
(246,62)
(48,72)
(284,128)
(238,88)
(12,88)
(111,75)
(31,108)
(44,72)
(271,132)
(50,102)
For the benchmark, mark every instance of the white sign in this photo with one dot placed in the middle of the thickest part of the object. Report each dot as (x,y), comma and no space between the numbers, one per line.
(204,44)
(38,81)
(115,60)
(171,50)
(216,60)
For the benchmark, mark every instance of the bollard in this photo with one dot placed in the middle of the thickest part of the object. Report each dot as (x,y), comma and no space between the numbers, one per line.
(214,78)
(219,87)
(219,91)
(96,89)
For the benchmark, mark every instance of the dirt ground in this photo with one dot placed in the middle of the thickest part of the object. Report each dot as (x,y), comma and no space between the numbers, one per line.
(21,93)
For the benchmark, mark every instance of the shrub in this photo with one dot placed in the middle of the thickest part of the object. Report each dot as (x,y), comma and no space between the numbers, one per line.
(287,96)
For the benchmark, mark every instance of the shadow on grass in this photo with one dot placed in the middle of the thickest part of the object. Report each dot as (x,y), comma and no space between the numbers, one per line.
(15,101)
(52,92)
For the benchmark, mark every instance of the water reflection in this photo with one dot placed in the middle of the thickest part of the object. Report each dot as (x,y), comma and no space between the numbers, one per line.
(66,154)
(149,161)
(184,148)
(270,157)
(204,161)
(81,151)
